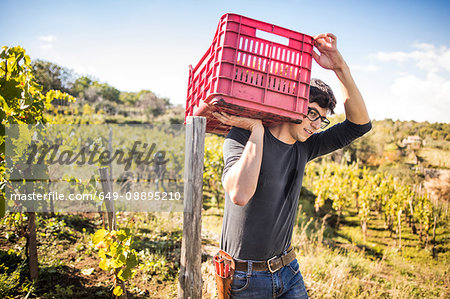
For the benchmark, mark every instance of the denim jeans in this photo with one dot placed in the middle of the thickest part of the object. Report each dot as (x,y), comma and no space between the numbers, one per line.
(285,283)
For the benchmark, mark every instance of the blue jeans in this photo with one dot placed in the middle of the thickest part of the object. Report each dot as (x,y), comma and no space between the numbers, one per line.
(285,283)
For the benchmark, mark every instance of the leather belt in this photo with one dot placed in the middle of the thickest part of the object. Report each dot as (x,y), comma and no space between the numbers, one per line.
(273,264)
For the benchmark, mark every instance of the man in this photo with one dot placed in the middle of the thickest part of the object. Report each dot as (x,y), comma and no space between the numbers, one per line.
(263,175)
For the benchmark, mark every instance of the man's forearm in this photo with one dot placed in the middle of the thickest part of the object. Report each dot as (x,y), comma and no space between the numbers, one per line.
(241,180)
(355,108)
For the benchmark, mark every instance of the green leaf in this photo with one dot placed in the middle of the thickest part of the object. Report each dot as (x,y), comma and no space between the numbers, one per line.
(118,291)
(124,274)
(132,260)
(122,258)
(10,90)
(121,235)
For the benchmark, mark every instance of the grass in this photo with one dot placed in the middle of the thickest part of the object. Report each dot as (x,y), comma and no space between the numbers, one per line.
(334,263)
(435,157)
(341,264)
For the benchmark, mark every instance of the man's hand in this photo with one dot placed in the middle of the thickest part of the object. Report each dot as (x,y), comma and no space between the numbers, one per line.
(237,121)
(329,57)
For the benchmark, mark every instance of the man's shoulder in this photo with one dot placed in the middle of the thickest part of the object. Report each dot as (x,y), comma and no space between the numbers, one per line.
(238,134)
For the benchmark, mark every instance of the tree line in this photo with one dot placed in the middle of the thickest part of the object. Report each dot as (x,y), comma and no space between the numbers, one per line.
(101,96)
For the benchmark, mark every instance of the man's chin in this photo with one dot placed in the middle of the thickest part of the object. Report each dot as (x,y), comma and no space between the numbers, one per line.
(303,138)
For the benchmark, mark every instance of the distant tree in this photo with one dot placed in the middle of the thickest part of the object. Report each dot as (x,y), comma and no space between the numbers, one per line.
(128,97)
(52,76)
(80,85)
(108,92)
(92,94)
(92,90)
(152,104)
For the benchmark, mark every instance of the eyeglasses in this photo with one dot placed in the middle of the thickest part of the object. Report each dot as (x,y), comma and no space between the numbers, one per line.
(314,115)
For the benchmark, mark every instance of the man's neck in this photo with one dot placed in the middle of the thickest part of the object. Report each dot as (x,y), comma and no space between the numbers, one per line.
(282,133)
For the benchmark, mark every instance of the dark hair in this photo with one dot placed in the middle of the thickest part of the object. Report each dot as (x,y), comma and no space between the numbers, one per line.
(322,94)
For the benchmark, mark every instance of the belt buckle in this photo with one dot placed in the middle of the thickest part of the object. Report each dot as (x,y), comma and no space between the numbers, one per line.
(268,265)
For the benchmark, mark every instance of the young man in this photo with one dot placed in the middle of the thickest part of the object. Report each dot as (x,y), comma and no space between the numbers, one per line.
(263,175)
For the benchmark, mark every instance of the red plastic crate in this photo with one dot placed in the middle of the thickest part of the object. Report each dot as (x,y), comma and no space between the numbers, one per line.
(250,76)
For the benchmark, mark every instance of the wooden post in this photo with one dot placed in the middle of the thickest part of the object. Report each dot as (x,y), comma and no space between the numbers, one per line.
(400,228)
(190,278)
(107,190)
(31,246)
(434,251)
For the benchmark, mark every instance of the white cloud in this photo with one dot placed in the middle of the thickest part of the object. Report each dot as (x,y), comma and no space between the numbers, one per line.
(421,99)
(47,38)
(420,83)
(46,42)
(425,56)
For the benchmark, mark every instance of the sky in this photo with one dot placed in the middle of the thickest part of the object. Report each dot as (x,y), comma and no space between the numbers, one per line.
(398,51)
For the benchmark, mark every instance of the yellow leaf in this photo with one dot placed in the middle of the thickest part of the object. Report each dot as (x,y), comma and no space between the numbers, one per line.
(118,291)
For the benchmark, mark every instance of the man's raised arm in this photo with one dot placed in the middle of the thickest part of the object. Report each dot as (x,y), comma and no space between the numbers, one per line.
(330,58)
(242,178)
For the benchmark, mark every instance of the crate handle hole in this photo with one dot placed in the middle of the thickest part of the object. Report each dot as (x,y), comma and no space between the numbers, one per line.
(272,37)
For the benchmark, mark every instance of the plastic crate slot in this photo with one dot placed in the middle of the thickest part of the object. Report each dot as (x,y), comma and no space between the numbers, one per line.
(272,37)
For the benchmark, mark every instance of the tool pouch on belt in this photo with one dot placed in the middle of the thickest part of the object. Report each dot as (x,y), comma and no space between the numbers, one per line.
(224,270)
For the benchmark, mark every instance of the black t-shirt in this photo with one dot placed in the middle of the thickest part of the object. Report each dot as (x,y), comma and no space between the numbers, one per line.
(263,227)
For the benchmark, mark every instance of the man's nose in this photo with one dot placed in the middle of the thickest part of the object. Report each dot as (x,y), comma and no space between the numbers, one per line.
(316,124)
